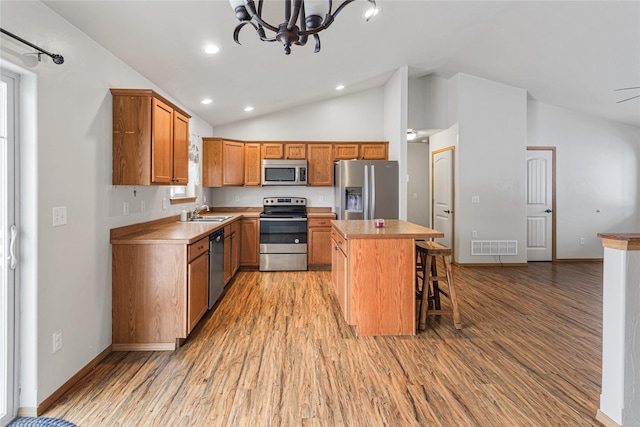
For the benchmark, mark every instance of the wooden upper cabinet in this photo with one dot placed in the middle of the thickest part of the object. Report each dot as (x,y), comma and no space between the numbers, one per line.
(272,150)
(222,162)
(252,166)
(374,151)
(295,151)
(345,151)
(161,143)
(284,150)
(150,139)
(180,148)
(320,165)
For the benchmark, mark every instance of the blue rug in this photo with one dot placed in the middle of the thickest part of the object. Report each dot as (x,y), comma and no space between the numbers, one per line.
(40,422)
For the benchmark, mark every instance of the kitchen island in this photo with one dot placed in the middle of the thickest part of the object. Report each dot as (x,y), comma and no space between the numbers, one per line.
(373,274)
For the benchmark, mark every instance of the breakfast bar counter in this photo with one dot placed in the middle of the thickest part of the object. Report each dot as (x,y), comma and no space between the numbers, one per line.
(373,274)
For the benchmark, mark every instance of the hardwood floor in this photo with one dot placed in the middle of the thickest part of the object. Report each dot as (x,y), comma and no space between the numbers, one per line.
(276,352)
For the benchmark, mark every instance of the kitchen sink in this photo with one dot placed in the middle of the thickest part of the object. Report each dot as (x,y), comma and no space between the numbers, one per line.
(210,218)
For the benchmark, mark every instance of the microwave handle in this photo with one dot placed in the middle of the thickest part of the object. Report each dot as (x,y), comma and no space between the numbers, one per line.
(302,174)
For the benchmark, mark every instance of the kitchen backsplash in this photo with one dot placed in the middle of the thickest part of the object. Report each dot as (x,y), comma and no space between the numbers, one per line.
(252,196)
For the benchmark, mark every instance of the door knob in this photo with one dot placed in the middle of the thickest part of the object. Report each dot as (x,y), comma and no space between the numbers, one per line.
(548,211)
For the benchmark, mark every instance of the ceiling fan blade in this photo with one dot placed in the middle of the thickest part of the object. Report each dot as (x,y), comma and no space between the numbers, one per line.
(628,99)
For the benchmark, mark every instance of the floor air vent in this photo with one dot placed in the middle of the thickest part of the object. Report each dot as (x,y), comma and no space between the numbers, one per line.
(494,247)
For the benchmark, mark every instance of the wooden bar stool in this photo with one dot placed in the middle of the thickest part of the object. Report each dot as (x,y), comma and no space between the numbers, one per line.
(428,253)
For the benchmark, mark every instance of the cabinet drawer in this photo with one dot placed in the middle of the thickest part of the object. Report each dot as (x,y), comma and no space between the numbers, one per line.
(198,248)
(339,241)
(319,222)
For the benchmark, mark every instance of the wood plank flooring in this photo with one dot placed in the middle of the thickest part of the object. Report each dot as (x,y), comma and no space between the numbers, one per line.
(276,352)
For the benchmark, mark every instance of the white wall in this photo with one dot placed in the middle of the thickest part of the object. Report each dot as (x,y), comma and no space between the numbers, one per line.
(597,169)
(67,138)
(395,129)
(351,117)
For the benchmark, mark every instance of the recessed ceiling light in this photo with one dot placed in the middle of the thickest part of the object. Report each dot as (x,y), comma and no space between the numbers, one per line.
(211,49)
(206,101)
(249,108)
(339,87)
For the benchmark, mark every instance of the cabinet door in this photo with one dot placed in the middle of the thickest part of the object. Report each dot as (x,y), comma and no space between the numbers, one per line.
(320,165)
(131,140)
(198,289)
(235,247)
(161,143)
(319,240)
(295,151)
(232,163)
(180,149)
(252,167)
(374,152)
(227,255)
(345,151)
(272,150)
(249,246)
(339,277)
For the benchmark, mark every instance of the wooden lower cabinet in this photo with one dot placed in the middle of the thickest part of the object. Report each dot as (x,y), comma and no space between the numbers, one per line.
(319,241)
(339,267)
(198,282)
(249,242)
(159,293)
(231,251)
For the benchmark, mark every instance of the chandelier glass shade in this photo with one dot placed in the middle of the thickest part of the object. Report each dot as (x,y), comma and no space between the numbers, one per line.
(302,18)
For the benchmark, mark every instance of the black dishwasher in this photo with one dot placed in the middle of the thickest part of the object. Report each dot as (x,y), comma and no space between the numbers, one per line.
(216,266)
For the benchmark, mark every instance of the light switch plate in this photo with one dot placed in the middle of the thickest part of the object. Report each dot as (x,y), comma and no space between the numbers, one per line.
(59,216)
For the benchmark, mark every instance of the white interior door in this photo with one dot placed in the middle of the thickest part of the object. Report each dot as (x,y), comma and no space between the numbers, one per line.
(540,214)
(8,235)
(442,207)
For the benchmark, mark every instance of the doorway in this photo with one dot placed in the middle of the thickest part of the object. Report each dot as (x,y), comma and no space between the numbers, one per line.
(442,206)
(8,249)
(541,201)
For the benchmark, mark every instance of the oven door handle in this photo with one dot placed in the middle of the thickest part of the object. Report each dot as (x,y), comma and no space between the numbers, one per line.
(283,219)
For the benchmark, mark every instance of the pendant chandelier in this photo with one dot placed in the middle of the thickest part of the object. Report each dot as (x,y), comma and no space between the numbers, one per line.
(302,18)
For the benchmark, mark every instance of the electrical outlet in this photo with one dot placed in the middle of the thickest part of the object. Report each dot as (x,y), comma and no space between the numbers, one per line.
(582,240)
(475,199)
(237,198)
(59,216)
(164,204)
(204,199)
(125,208)
(415,195)
(474,234)
(321,199)
(143,206)
(57,341)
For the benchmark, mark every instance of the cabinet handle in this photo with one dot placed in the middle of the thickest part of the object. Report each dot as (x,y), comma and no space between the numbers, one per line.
(322,223)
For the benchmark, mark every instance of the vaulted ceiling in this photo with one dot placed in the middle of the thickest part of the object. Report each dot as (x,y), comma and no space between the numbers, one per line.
(571,54)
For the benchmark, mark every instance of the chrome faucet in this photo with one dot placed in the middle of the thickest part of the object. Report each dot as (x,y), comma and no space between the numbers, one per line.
(196,211)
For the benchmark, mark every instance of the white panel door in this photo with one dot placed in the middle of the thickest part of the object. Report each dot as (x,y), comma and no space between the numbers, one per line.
(8,236)
(539,205)
(442,207)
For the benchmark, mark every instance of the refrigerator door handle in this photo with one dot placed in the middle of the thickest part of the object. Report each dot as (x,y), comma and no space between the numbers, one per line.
(365,191)
(372,205)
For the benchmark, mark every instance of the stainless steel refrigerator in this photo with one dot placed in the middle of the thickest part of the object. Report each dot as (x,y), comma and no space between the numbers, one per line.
(366,189)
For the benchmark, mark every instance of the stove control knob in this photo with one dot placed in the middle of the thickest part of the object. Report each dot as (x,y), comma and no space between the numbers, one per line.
(296,241)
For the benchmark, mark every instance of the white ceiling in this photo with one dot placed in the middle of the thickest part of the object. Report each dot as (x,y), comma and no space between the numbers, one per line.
(570,54)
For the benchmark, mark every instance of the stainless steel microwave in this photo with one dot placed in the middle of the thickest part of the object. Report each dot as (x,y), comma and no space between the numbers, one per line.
(284,172)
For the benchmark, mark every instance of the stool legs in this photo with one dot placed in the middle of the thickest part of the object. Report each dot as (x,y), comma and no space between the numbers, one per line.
(430,287)
(452,294)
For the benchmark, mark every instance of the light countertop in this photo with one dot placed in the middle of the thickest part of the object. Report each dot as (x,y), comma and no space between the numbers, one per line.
(393,229)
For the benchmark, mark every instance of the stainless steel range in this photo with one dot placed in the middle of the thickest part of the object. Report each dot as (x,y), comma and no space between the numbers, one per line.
(283,234)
